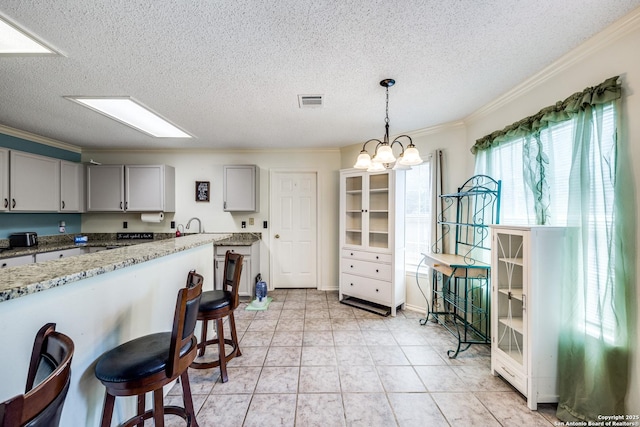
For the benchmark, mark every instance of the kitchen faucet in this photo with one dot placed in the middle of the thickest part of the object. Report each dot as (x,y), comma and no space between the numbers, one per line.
(199,224)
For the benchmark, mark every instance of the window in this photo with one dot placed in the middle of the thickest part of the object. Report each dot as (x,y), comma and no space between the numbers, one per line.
(506,162)
(417,216)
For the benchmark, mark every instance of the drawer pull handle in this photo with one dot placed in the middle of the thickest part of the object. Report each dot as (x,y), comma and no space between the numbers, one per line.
(507,371)
(6,203)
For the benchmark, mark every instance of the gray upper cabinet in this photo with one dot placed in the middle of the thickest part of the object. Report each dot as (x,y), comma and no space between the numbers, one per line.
(105,188)
(132,188)
(34,183)
(150,188)
(4,179)
(71,187)
(241,191)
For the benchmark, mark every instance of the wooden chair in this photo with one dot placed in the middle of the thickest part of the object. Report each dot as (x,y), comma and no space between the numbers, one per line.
(47,383)
(148,363)
(216,305)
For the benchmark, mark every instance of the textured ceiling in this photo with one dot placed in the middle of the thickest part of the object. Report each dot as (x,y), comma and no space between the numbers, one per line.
(230,72)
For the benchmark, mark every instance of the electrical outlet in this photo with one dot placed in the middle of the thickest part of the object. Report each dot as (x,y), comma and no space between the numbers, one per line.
(250,221)
(243,224)
(173,225)
(125,224)
(264,224)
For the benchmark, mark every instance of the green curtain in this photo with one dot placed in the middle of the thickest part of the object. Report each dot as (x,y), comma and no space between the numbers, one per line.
(593,365)
(593,347)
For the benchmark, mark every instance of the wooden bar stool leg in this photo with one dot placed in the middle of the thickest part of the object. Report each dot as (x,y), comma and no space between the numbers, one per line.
(107,411)
(203,338)
(234,334)
(221,353)
(141,408)
(158,408)
(188,400)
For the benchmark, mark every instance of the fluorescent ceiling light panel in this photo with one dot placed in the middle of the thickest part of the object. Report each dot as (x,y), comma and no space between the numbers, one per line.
(15,41)
(131,113)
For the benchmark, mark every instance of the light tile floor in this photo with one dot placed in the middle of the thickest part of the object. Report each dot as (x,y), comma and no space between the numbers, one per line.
(312,361)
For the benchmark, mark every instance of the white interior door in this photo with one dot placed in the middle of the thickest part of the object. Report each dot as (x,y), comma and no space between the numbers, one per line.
(294,229)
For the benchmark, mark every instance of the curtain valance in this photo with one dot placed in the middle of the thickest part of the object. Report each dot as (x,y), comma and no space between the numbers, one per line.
(606,91)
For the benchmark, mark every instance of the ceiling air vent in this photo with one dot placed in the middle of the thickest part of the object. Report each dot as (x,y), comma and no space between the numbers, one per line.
(310,101)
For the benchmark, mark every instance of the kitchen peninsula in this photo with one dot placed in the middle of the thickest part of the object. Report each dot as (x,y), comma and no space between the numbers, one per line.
(100,300)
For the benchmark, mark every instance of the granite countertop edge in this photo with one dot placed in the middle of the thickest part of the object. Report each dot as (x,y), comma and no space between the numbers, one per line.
(19,281)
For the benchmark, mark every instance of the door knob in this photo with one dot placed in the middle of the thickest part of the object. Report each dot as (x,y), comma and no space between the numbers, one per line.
(277,236)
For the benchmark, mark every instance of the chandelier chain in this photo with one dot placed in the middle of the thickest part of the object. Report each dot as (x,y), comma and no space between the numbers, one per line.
(386,120)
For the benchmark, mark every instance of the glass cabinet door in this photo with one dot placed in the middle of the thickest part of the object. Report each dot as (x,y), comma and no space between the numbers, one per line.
(354,210)
(378,211)
(511,298)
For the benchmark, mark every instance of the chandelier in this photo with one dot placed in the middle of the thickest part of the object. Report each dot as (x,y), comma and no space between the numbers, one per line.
(383,153)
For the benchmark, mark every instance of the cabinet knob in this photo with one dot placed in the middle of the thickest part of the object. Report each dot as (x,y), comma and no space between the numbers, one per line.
(351,266)
(377,257)
(277,236)
(377,271)
(377,290)
(60,256)
(4,264)
(350,283)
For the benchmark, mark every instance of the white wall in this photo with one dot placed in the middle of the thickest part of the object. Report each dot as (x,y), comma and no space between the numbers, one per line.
(613,52)
(206,165)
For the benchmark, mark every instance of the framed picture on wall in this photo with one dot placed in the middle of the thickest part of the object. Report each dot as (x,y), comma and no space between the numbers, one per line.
(202,191)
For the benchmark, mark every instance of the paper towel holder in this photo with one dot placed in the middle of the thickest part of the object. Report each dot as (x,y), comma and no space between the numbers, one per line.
(154,217)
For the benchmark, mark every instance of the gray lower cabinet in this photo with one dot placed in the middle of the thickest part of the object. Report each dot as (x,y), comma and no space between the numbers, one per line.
(16,261)
(64,253)
(250,267)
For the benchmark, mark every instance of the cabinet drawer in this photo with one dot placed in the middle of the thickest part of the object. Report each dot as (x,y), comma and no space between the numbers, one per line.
(242,250)
(366,256)
(367,289)
(515,378)
(365,268)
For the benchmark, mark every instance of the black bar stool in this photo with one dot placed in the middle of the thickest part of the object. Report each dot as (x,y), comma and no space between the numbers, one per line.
(48,382)
(216,305)
(148,363)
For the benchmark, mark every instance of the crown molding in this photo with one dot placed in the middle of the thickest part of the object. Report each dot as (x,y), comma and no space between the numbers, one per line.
(39,139)
(437,129)
(624,26)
